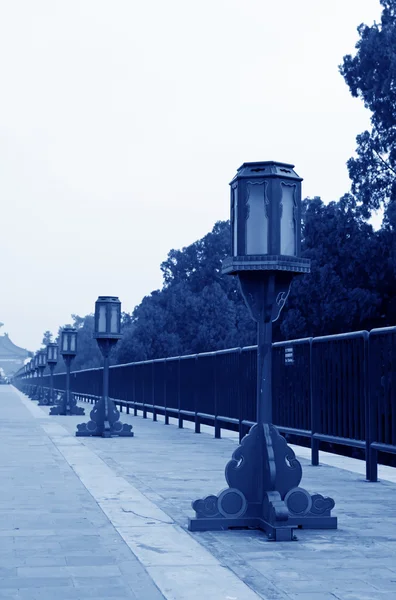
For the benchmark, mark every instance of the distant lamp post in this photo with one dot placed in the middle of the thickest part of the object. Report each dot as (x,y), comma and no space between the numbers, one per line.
(68,349)
(52,359)
(104,416)
(264,475)
(35,395)
(41,364)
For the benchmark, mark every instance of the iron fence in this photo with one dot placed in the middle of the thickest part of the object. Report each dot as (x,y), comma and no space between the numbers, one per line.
(338,389)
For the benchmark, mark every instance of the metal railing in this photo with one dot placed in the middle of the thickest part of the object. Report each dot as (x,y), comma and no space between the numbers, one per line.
(339,389)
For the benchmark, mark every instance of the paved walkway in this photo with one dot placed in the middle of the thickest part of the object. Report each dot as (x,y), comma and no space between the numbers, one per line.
(106,518)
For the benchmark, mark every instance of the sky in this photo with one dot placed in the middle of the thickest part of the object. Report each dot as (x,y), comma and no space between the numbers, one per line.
(122,123)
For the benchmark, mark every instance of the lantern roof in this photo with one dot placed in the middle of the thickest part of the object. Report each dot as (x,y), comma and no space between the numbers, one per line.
(268,168)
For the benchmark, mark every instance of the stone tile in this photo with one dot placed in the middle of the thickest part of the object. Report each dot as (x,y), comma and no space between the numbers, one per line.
(90,560)
(34,582)
(70,571)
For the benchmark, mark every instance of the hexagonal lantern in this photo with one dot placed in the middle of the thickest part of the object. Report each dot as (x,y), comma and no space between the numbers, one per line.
(68,341)
(42,359)
(266,219)
(52,353)
(107,318)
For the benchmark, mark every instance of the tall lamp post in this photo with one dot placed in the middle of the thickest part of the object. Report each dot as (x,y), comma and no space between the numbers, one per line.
(104,416)
(264,475)
(68,349)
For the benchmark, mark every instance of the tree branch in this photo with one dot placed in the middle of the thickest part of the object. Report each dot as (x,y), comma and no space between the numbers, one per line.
(384,162)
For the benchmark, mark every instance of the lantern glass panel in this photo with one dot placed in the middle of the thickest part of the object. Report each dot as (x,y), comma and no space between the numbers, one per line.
(288,222)
(235,219)
(72,342)
(257,220)
(50,352)
(64,341)
(114,322)
(102,319)
(55,353)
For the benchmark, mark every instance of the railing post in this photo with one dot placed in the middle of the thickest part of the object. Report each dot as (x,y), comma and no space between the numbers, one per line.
(165,393)
(180,424)
(217,427)
(370,415)
(197,419)
(153,391)
(314,408)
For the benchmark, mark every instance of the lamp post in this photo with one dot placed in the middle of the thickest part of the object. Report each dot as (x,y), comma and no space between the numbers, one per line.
(35,392)
(104,416)
(41,364)
(264,475)
(52,359)
(29,377)
(68,349)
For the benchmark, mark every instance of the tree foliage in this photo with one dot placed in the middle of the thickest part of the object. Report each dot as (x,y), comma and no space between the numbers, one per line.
(371,76)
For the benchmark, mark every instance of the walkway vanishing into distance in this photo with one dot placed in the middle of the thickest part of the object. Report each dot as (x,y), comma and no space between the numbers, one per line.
(101,518)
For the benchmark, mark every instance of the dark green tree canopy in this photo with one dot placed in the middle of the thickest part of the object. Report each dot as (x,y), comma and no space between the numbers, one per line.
(371,75)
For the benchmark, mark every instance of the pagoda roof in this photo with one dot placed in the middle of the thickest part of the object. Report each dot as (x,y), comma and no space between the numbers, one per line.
(9,350)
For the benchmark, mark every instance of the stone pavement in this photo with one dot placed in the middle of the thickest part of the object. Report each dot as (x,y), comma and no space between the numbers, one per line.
(106,518)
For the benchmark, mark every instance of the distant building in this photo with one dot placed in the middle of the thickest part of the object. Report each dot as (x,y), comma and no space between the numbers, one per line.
(12,357)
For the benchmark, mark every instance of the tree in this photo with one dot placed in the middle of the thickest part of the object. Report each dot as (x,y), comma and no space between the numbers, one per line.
(343,291)
(371,75)
(47,338)
(197,310)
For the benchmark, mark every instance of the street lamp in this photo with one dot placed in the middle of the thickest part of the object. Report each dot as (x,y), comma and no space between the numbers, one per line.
(68,349)
(41,364)
(35,395)
(264,475)
(52,359)
(104,416)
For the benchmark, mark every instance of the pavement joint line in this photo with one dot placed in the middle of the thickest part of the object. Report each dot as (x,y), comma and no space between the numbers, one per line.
(174,559)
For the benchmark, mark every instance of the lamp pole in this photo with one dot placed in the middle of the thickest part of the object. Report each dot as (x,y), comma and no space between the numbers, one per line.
(35,391)
(105,416)
(42,359)
(68,404)
(264,475)
(52,359)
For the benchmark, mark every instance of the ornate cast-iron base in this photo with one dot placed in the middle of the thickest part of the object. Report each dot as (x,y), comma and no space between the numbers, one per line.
(35,395)
(46,400)
(263,477)
(64,407)
(101,426)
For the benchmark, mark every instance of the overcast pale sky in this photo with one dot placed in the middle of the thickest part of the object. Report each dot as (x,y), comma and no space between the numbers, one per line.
(122,122)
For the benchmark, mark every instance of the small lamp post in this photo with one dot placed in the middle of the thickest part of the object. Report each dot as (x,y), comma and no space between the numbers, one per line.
(51,354)
(68,349)
(35,392)
(264,475)
(41,364)
(52,359)
(104,416)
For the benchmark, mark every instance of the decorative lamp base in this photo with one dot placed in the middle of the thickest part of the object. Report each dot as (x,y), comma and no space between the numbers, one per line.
(46,399)
(101,426)
(263,477)
(65,408)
